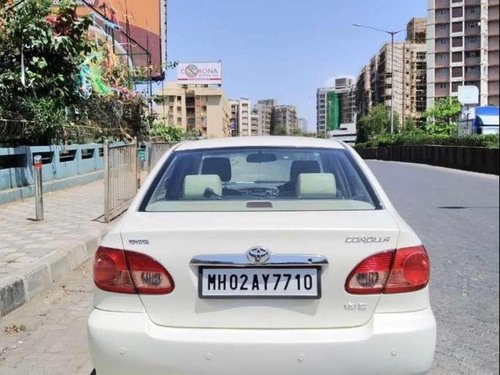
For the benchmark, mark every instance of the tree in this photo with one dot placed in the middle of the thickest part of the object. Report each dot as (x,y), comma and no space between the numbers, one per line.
(41,51)
(442,118)
(377,122)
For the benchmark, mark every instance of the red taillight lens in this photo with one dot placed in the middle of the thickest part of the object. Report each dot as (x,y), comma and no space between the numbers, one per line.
(111,271)
(128,272)
(400,271)
(410,272)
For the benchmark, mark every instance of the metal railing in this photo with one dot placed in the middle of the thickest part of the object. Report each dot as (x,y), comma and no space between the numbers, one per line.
(120,178)
(156,151)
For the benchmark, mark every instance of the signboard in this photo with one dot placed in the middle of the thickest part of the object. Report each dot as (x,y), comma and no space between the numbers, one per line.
(468,95)
(206,73)
(137,27)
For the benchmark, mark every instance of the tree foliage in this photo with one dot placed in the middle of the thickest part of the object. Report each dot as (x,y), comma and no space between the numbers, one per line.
(376,123)
(48,70)
(41,50)
(170,134)
(442,118)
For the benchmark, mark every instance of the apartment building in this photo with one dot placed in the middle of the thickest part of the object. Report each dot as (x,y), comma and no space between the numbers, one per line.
(493,52)
(255,124)
(284,120)
(463,39)
(363,92)
(416,30)
(336,106)
(407,89)
(303,125)
(200,108)
(263,112)
(241,118)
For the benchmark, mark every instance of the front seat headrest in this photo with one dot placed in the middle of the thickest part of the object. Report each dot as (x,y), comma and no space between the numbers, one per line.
(218,166)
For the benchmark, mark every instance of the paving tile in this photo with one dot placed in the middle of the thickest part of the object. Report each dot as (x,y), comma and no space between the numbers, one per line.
(69,216)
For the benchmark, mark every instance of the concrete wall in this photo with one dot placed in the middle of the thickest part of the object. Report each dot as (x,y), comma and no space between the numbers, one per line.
(63,166)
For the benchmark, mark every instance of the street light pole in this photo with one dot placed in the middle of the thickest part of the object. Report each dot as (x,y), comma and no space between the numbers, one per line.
(392,82)
(392,34)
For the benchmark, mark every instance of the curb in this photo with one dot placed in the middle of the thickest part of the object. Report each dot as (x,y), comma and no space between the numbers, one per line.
(15,291)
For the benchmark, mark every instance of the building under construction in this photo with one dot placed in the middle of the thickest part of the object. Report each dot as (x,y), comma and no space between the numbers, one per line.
(336,110)
(407,90)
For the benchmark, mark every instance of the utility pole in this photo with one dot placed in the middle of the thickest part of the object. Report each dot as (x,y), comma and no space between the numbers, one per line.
(392,34)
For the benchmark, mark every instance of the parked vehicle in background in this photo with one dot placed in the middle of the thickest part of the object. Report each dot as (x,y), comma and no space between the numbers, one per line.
(262,255)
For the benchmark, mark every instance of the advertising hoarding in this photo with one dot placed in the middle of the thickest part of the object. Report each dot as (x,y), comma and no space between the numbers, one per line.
(203,73)
(137,28)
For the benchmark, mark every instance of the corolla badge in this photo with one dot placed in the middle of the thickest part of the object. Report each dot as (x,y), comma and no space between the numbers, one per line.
(258,255)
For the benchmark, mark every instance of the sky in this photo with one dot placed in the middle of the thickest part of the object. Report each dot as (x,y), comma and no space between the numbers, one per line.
(283,49)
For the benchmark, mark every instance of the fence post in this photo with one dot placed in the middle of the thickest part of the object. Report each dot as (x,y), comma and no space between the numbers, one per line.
(137,170)
(37,164)
(107,214)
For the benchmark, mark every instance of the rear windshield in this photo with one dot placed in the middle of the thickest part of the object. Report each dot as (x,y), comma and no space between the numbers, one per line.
(246,179)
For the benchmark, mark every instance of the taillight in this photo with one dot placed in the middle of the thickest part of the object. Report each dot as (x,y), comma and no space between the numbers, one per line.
(127,272)
(410,272)
(400,271)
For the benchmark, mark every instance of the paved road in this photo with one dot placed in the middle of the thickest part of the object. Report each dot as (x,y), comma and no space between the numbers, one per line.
(455,213)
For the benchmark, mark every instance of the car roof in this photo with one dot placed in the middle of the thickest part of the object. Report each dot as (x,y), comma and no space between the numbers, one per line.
(264,141)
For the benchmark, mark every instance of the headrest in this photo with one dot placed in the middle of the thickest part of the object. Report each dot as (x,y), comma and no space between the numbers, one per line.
(218,166)
(198,187)
(316,186)
(303,166)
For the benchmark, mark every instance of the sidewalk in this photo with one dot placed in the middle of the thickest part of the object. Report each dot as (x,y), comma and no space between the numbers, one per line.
(35,254)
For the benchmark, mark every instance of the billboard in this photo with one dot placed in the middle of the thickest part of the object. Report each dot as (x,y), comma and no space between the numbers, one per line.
(137,28)
(204,73)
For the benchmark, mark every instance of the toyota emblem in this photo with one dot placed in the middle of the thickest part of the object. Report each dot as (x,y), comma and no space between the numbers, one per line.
(258,255)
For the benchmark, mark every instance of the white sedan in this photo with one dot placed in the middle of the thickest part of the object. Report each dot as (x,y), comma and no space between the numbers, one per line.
(262,255)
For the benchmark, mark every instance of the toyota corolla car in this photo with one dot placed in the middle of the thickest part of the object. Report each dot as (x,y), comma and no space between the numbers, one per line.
(262,255)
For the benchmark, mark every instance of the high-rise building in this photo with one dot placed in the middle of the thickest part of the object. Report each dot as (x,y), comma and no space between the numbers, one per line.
(269,118)
(263,111)
(240,117)
(493,52)
(416,30)
(406,90)
(303,125)
(199,108)
(284,120)
(256,129)
(363,92)
(463,40)
(336,106)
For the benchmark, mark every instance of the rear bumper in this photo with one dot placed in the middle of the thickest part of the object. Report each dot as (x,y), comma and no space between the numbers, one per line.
(130,344)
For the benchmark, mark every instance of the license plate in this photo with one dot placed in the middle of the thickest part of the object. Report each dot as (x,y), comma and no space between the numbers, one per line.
(260,283)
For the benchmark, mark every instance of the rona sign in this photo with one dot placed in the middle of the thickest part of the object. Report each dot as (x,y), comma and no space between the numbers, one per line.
(206,73)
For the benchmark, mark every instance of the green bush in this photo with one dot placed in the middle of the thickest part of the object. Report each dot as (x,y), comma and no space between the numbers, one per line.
(421,139)
(170,134)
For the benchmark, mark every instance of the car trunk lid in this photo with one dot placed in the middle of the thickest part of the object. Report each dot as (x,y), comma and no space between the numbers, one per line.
(343,238)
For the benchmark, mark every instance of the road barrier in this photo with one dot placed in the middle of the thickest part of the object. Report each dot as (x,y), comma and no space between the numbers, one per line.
(120,178)
(474,159)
